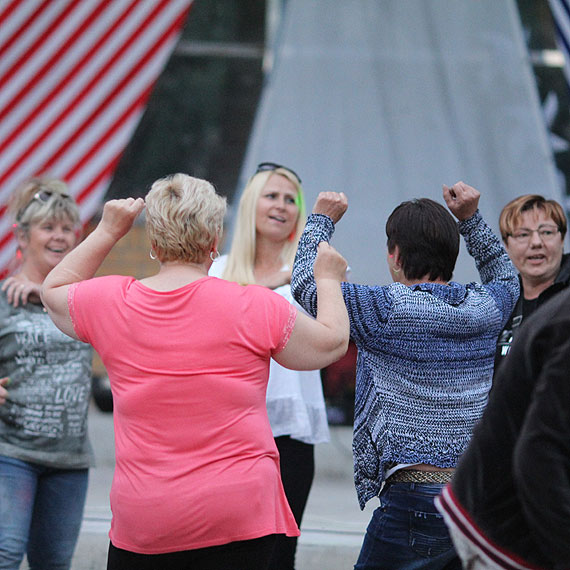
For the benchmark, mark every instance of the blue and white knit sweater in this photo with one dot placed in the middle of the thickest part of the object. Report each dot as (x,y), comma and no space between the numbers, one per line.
(425,354)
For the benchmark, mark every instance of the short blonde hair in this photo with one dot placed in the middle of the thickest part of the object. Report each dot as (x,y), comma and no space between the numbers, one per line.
(241,259)
(511,214)
(39,199)
(184,216)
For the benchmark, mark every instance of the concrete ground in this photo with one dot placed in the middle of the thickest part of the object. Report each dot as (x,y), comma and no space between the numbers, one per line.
(333,525)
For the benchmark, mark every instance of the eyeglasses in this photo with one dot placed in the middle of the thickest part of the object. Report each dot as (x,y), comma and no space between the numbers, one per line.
(265,166)
(545,233)
(43,196)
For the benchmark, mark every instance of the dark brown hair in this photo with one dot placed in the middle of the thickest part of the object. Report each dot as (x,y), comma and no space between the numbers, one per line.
(427,236)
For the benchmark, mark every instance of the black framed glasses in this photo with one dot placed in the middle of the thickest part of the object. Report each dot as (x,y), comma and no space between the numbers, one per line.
(43,196)
(266,166)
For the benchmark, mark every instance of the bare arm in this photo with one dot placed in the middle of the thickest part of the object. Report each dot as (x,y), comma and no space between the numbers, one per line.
(316,343)
(86,258)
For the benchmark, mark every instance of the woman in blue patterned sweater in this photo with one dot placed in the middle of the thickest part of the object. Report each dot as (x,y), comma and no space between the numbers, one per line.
(425,363)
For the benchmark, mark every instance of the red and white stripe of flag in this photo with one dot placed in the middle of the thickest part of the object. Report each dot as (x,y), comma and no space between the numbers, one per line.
(74,80)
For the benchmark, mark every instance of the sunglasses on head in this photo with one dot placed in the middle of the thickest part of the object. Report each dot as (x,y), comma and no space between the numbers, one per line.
(265,166)
(41,196)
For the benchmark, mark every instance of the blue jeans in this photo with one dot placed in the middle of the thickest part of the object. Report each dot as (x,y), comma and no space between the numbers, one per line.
(407,532)
(41,510)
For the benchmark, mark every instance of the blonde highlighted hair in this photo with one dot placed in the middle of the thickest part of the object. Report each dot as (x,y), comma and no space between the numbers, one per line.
(241,259)
(39,199)
(184,217)
(511,214)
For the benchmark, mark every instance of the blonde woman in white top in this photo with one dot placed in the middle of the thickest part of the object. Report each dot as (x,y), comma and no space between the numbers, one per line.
(269,222)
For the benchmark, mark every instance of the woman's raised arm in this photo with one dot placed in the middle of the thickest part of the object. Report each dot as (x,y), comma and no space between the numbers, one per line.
(86,258)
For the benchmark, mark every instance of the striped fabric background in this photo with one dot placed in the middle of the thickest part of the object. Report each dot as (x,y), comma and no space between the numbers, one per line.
(74,80)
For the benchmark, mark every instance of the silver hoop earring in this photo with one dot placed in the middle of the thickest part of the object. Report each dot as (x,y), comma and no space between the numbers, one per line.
(214,255)
(152,255)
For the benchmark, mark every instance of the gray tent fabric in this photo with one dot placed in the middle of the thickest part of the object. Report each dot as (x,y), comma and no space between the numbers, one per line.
(387,100)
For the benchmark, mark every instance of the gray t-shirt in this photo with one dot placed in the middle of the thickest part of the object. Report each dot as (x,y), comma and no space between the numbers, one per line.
(45,418)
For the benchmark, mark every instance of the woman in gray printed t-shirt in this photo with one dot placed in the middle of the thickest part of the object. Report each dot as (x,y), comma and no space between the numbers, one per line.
(44,391)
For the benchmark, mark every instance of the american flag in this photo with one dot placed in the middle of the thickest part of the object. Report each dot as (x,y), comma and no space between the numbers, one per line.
(74,80)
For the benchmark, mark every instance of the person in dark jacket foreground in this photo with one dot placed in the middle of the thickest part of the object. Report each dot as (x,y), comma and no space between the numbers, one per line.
(508,505)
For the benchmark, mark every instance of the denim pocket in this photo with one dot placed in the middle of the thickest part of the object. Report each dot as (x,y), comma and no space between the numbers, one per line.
(428,534)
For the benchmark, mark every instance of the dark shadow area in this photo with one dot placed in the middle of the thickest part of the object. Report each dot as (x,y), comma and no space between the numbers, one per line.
(201,110)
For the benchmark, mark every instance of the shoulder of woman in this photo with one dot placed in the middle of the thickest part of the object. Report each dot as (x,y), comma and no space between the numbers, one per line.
(103,283)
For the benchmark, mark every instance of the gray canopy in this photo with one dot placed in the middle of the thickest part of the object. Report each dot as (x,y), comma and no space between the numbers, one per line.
(387,100)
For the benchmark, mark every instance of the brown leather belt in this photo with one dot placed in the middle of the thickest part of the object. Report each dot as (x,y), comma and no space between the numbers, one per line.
(417,476)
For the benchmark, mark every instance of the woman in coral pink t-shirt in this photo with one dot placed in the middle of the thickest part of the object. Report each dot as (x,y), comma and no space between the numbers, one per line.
(197,472)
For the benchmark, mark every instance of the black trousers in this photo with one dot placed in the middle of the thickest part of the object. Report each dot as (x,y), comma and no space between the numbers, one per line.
(297,460)
(241,555)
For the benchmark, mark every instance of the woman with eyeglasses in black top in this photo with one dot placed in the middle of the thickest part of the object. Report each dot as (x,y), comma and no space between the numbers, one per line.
(533,231)
(44,450)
